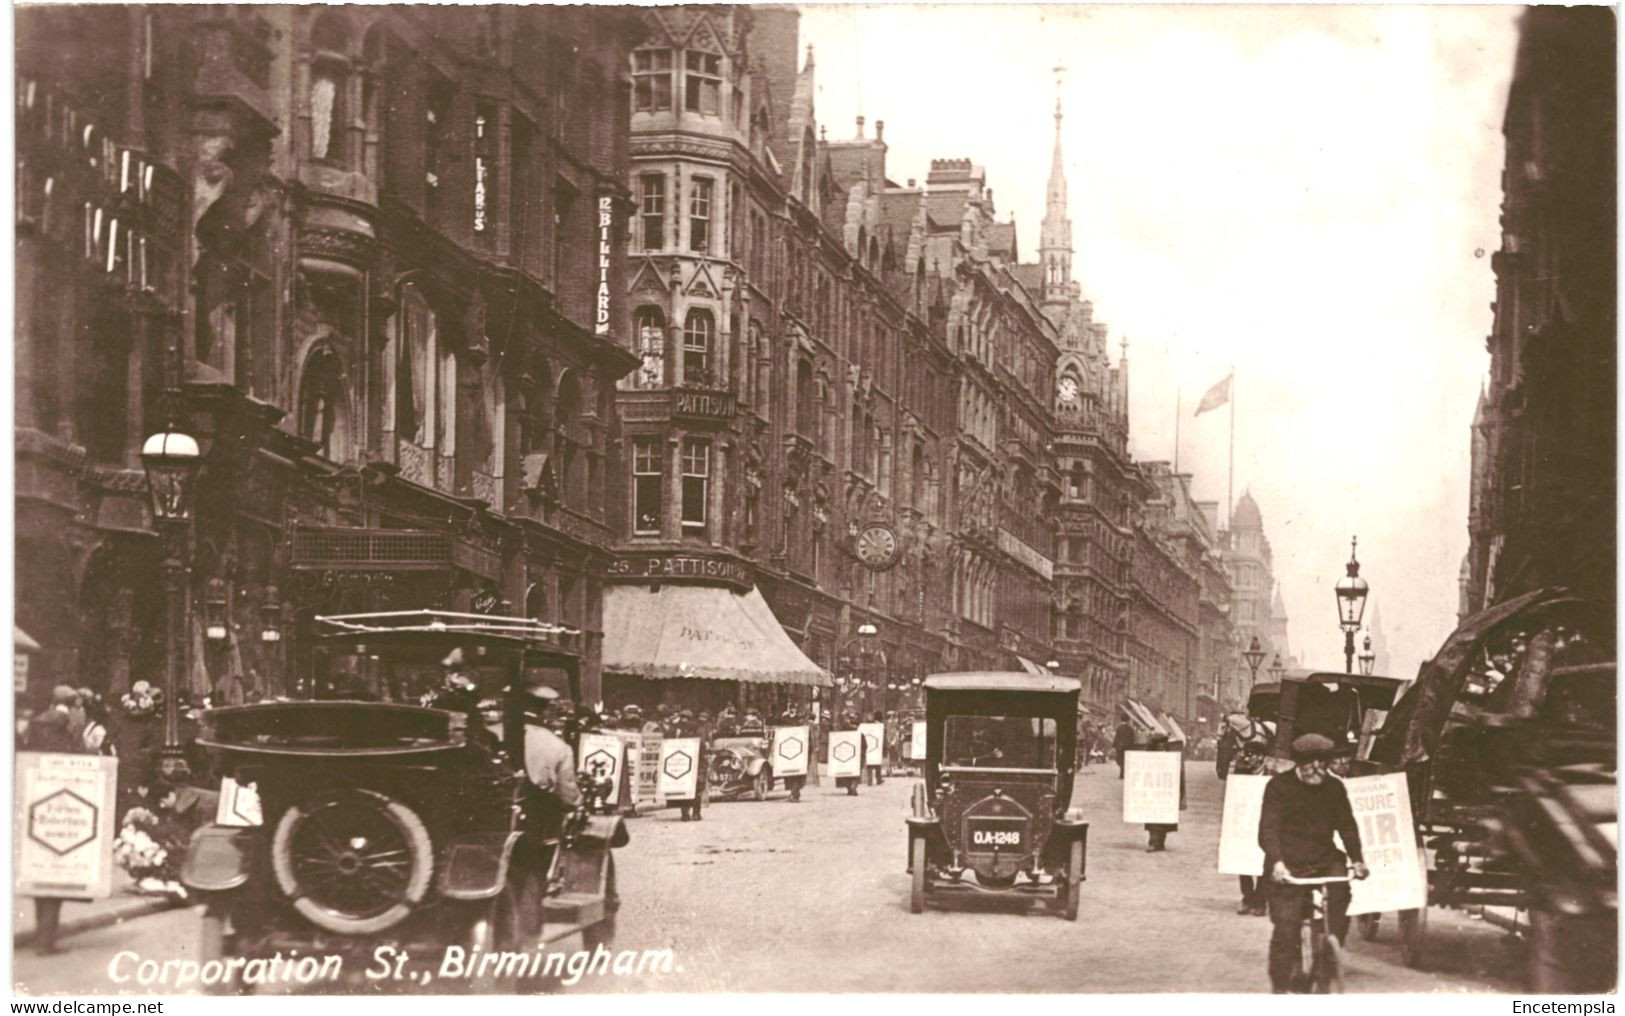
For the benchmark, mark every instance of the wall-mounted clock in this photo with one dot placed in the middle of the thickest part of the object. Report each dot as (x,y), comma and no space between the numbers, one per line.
(877,546)
(1067,390)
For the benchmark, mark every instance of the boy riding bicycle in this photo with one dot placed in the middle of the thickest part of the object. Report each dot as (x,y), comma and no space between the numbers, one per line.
(1302,810)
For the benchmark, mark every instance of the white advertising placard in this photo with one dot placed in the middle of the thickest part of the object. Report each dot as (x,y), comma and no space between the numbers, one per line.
(790,751)
(874,740)
(845,754)
(239,804)
(603,755)
(916,742)
(1239,852)
(1382,809)
(679,768)
(63,828)
(1151,787)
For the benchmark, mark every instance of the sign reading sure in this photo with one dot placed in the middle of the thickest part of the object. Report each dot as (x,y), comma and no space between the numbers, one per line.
(790,751)
(602,755)
(1382,809)
(679,768)
(1151,786)
(1239,852)
(874,740)
(63,828)
(845,754)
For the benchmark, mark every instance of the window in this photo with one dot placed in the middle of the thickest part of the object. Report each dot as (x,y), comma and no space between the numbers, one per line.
(322,411)
(437,131)
(696,477)
(564,202)
(702,92)
(651,79)
(697,332)
(521,143)
(649,325)
(647,477)
(329,83)
(699,216)
(652,210)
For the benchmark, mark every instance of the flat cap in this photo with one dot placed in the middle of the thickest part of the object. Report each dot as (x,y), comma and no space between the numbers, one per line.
(1309,747)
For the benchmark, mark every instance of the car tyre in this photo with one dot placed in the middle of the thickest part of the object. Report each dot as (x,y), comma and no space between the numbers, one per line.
(762,784)
(916,901)
(1074,881)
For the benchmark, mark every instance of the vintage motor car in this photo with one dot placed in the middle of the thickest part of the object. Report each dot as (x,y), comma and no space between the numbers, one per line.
(993,814)
(380,819)
(739,767)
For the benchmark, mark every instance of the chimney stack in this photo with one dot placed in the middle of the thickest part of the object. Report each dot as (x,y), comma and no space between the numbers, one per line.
(860,127)
(880,130)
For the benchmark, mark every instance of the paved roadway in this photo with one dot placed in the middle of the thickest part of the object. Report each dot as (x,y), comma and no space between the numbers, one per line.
(784,897)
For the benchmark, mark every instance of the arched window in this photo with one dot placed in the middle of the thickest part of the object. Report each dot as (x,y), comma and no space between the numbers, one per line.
(329,87)
(324,412)
(699,329)
(916,475)
(567,441)
(761,367)
(649,325)
(806,406)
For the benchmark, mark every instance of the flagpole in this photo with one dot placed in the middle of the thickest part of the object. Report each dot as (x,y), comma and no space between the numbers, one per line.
(1178,408)
(1230,486)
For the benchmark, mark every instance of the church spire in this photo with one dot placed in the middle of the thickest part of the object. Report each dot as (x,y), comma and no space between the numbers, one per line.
(1055,238)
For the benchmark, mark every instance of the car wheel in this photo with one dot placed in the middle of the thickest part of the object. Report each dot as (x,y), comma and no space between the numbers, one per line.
(353,861)
(603,933)
(1413,927)
(916,861)
(762,784)
(1074,880)
(1369,923)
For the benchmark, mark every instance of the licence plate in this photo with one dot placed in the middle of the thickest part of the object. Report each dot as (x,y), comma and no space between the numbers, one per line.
(997,834)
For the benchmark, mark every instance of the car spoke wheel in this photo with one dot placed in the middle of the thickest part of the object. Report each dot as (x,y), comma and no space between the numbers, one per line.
(760,786)
(916,901)
(1074,880)
(1413,927)
(352,861)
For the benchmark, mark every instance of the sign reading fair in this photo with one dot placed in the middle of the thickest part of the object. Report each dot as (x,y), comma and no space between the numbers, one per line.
(1239,852)
(1382,808)
(63,832)
(1151,786)
(606,219)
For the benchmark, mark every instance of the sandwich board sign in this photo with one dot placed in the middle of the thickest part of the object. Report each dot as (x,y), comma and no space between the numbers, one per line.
(239,804)
(1239,852)
(916,742)
(603,755)
(1151,786)
(874,740)
(63,825)
(679,768)
(1382,810)
(790,751)
(845,754)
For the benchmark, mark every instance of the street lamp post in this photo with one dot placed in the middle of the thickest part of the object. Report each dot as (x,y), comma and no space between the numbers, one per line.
(1351,593)
(1277,668)
(171,460)
(1254,655)
(861,658)
(1368,659)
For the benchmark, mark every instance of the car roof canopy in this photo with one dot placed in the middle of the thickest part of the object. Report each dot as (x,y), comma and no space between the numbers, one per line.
(1016,681)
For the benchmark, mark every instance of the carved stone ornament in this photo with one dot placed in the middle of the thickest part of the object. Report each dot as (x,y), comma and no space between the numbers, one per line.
(337,245)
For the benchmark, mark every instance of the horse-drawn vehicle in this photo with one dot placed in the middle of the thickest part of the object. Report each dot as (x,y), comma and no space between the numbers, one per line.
(382,820)
(1507,740)
(993,814)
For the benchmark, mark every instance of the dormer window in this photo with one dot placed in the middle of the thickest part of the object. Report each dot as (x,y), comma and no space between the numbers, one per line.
(651,80)
(329,85)
(702,91)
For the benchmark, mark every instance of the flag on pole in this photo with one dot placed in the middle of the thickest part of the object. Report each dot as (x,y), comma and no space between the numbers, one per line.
(1216,396)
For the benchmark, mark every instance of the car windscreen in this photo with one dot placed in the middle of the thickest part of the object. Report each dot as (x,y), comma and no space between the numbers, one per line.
(1000,742)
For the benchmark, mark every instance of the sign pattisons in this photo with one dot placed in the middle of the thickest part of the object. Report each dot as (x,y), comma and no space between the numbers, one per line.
(681,566)
(606,217)
(703,405)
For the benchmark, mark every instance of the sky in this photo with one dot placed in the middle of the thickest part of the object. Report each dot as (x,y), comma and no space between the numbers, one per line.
(1308,195)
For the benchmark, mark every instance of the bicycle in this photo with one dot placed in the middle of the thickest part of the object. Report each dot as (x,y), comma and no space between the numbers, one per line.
(1326,953)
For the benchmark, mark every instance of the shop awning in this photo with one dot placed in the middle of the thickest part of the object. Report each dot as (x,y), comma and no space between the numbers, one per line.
(21,642)
(1142,717)
(1031,667)
(700,631)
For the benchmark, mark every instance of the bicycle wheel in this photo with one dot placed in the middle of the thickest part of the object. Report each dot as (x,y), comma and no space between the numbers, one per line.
(1330,979)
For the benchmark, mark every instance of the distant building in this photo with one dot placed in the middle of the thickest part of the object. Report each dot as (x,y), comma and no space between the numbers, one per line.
(1542,508)
(1250,564)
